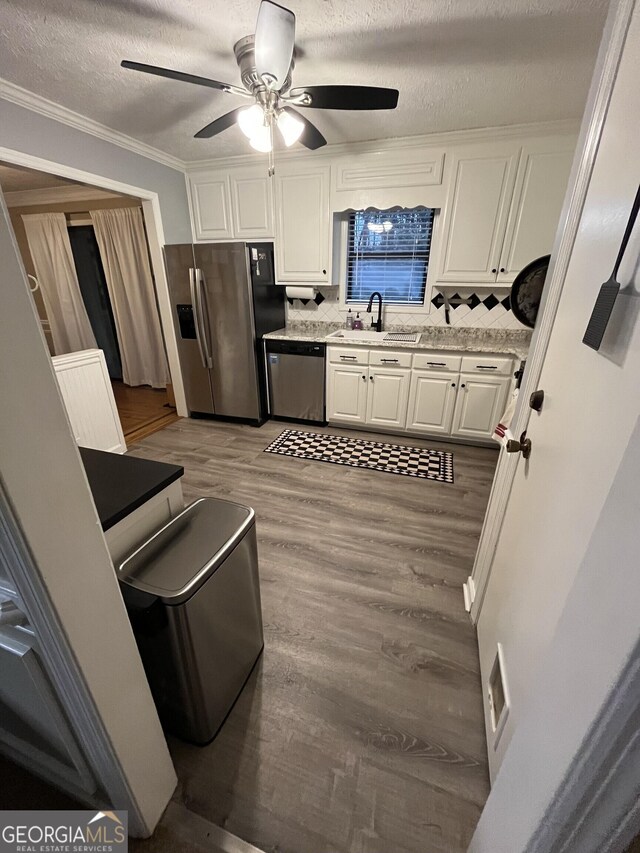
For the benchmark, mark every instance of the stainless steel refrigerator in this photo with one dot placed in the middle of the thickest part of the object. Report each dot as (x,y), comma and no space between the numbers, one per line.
(224,298)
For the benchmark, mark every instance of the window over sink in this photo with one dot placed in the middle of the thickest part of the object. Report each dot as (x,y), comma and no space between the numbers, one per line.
(388,251)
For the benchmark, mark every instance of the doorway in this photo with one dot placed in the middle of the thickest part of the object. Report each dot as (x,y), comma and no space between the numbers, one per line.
(142,408)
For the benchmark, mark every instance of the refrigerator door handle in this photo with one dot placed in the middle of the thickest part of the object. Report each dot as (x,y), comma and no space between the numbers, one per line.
(203,326)
(195,303)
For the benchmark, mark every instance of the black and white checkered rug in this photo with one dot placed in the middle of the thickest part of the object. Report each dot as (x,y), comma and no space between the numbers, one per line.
(358,453)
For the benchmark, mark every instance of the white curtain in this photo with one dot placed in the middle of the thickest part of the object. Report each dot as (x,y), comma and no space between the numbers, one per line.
(50,249)
(125,258)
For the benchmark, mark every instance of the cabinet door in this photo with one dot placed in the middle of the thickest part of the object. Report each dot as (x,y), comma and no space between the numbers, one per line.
(432,397)
(303,234)
(252,204)
(347,393)
(540,188)
(479,405)
(211,206)
(476,213)
(387,397)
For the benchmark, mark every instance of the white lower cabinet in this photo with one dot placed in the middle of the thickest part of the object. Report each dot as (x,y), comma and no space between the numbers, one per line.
(347,393)
(432,398)
(387,397)
(364,388)
(480,403)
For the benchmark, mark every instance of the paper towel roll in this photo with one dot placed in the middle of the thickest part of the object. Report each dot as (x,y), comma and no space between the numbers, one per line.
(300,292)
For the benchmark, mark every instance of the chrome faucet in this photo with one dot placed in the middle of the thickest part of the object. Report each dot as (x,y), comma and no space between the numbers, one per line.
(376,324)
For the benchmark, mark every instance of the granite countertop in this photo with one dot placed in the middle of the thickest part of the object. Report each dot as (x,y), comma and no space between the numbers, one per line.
(513,342)
(121,484)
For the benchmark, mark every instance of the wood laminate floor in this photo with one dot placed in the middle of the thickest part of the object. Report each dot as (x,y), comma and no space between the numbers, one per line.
(361,730)
(143,410)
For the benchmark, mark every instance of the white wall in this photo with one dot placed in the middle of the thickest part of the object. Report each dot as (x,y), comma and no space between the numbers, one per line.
(580,436)
(30,132)
(42,474)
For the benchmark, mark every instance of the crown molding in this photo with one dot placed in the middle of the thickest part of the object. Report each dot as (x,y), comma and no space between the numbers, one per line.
(36,103)
(453,137)
(56,195)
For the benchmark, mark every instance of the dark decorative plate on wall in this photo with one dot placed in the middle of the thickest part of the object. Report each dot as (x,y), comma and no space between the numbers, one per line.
(526,291)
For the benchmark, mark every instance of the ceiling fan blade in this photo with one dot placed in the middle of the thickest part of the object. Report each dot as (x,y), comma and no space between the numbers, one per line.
(348,97)
(219,124)
(274,43)
(177,75)
(311,137)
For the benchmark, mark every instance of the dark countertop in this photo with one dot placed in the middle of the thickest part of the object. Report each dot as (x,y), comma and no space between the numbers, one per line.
(121,484)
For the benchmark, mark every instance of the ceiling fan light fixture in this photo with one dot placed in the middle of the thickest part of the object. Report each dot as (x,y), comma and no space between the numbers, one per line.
(251,120)
(290,128)
(261,139)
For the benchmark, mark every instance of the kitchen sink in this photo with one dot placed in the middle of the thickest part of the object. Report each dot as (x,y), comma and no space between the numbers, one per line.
(364,335)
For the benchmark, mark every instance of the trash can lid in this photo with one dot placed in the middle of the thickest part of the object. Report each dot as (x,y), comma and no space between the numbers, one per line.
(183,554)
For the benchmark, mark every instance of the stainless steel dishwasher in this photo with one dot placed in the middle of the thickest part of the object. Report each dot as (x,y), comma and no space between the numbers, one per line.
(295,372)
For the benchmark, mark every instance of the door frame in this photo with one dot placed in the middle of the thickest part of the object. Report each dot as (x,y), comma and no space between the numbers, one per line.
(155,239)
(591,129)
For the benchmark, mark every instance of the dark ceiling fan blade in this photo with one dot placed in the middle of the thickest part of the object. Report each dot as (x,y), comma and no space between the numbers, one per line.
(219,124)
(274,43)
(348,97)
(177,75)
(311,137)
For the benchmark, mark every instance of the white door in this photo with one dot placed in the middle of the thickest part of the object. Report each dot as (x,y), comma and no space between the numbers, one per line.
(303,223)
(541,184)
(387,397)
(579,437)
(252,204)
(211,206)
(476,213)
(347,388)
(480,404)
(432,397)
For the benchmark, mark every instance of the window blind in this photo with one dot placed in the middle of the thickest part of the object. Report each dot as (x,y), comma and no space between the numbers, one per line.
(388,251)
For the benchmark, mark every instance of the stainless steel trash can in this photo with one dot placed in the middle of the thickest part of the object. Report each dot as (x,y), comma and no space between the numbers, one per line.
(193,597)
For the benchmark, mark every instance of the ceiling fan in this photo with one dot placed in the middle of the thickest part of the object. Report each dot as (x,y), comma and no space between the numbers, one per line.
(266,62)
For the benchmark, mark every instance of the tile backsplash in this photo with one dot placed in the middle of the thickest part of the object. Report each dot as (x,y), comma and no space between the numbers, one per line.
(488,310)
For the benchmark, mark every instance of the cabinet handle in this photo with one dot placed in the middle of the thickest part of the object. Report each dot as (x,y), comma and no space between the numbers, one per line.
(502,269)
(348,357)
(324,272)
(486,366)
(371,379)
(364,377)
(463,385)
(389,360)
(494,270)
(437,363)
(453,385)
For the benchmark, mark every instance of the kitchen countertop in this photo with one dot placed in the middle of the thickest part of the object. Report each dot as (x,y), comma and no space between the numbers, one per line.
(121,484)
(513,342)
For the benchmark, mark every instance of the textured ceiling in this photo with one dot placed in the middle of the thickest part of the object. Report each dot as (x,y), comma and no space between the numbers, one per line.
(457,63)
(15,178)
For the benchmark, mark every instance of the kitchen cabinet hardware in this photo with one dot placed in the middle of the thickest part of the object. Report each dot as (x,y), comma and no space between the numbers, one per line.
(437,363)
(453,384)
(389,360)
(348,357)
(494,270)
(486,366)
(502,269)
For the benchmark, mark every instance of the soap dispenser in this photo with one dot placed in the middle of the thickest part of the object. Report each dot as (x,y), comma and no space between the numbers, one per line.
(349,323)
(357,323)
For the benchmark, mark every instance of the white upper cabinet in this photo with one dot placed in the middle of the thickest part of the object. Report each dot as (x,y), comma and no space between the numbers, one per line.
(252,203)
(211,206)
(475,217)
(303,223)
(540,188)
(502,209)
